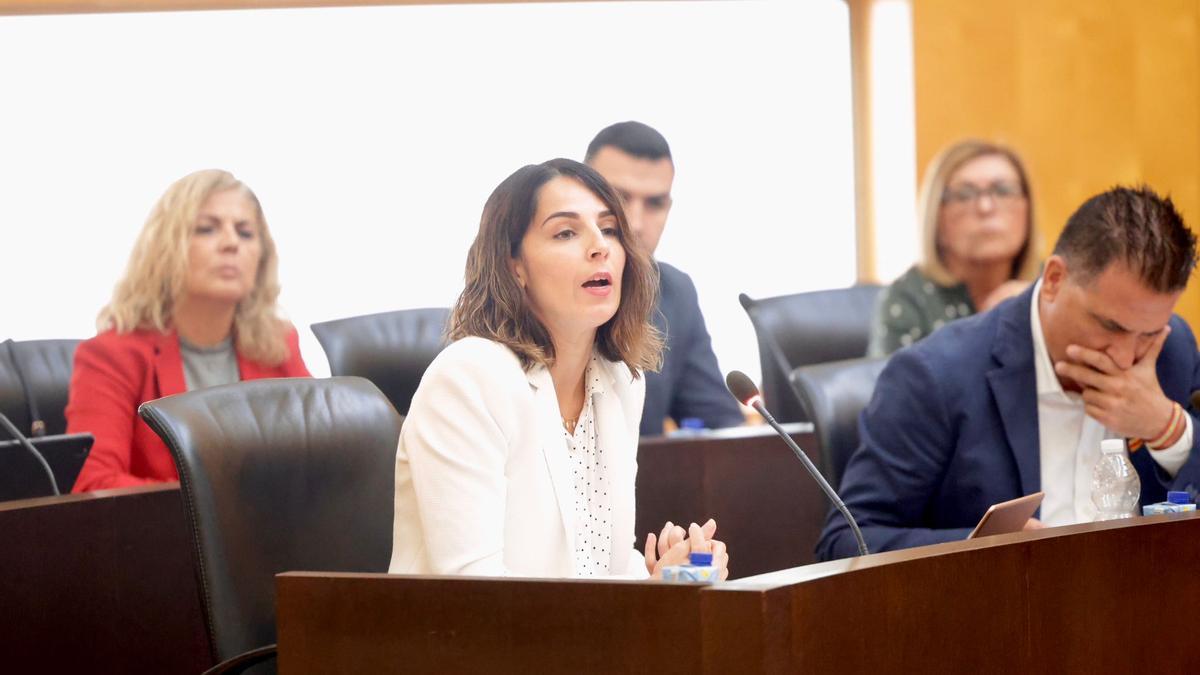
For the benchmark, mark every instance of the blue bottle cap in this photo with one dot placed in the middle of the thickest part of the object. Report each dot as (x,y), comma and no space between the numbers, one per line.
(1179,497)
(700,559)
(694,423)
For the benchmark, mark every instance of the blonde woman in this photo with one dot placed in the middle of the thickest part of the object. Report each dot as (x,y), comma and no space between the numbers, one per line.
(519,453)
(196,308)
(979,244)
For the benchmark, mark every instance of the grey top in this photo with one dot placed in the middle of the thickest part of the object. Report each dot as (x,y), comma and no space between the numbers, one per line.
(209,366)
(913,307)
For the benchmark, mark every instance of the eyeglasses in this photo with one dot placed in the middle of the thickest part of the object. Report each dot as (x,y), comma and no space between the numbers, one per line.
(1001,193)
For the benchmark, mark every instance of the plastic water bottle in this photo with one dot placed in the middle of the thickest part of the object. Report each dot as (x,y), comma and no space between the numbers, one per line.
(699,568)
(690,426)
(1177,502)
(1116,487)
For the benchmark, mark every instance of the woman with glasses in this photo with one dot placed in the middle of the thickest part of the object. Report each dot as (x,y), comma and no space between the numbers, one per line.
(979,244)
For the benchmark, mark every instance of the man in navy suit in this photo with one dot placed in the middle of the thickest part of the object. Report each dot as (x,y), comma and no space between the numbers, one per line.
(1018,399)
(636,160)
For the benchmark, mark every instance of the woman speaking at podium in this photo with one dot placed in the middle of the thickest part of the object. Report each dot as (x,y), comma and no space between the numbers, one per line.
(196,308)
(519,452)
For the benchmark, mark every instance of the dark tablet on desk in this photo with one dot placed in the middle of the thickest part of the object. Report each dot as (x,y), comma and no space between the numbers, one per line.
(22,476)
(1007,517)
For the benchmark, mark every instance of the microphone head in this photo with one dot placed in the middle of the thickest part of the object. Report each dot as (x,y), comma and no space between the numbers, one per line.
(742,387)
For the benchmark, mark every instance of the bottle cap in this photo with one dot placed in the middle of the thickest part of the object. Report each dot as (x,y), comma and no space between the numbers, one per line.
(700,559)
(1179,497)
(694,423)
(1112,446)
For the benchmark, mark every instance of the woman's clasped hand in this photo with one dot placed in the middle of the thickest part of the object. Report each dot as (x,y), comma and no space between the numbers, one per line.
(674,545)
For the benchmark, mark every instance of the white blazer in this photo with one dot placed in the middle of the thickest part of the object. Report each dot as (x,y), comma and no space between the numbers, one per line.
(483,480)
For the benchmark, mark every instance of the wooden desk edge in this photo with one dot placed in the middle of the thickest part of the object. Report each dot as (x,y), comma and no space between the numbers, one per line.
(96,495)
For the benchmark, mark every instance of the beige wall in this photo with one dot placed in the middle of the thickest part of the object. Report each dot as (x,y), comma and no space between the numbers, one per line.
(1092,93)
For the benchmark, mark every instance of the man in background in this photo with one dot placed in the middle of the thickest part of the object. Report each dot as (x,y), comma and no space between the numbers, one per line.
(1017,400)
(636,160)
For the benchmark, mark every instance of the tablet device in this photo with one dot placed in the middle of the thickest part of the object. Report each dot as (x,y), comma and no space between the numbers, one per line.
(22,477)
(1007,517)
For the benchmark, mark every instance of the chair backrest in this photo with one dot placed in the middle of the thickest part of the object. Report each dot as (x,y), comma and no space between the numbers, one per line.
(806,328)
(391,349)
(277,475)
(46,367)
(836,393)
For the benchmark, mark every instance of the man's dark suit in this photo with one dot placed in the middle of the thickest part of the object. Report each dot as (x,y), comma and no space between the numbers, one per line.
(952,428)
(689,383)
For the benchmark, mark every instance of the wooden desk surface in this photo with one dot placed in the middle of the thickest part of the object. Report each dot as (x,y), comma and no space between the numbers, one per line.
(104,583)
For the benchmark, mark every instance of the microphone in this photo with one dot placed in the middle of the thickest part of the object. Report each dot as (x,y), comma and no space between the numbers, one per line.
(37,424)
(20,438)
(746,392)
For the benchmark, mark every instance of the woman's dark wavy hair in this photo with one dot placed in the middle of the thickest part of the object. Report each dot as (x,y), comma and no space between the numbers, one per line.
(494,306)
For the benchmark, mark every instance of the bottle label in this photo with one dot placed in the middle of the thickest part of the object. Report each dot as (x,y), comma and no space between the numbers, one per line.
(705,574)
(1166,507)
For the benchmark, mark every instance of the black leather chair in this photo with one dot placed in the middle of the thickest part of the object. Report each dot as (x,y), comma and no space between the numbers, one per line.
(836,392)
(45,366)
(391,349)
(278,475)
(806,328)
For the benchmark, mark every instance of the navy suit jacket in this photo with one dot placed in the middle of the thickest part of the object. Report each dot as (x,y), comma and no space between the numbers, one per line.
(952,428)
(689,383)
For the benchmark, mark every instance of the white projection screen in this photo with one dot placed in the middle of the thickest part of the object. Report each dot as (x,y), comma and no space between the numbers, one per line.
(373,135)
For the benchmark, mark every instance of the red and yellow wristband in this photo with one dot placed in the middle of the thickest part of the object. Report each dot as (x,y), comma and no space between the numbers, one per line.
(1169,436)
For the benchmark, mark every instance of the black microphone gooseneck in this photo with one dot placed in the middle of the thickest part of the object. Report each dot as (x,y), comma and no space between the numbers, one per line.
(20,438)
(37,426)
(746,392)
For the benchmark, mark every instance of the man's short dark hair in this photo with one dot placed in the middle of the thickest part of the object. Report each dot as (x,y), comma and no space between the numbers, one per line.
(1135,226)
(632,138)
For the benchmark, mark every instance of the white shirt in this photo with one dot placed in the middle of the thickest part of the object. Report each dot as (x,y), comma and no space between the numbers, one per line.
(1069,440)
(593,505)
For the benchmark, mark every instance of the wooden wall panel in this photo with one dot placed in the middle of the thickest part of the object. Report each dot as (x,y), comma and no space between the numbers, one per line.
(1090,93)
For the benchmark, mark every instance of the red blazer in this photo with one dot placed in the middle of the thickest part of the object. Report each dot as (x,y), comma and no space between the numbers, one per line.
(113,375)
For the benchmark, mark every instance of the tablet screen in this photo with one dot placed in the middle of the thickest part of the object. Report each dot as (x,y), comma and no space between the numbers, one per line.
(1007,517)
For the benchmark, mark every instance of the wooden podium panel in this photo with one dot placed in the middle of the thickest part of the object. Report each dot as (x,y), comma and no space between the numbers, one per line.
(768,509)
(1089,598)
(101,582)
(378,623)
(1092,598)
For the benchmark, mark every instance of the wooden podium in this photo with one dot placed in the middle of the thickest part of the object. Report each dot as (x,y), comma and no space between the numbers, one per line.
(1092,598)
(101,582)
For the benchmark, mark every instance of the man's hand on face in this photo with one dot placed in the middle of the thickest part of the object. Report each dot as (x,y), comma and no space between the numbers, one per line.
(1128,402)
